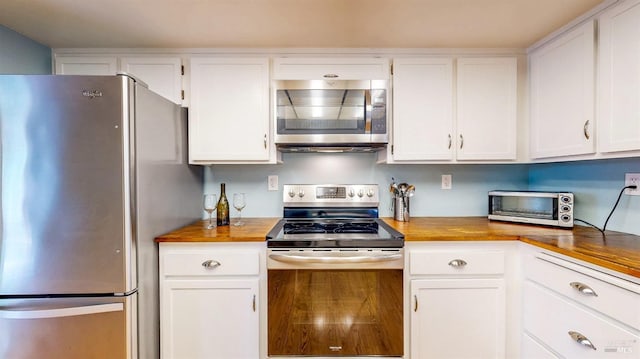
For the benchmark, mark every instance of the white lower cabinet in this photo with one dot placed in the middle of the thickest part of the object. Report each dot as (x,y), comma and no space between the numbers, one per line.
(575,311)
(210,300)
(458,301)
(457,318)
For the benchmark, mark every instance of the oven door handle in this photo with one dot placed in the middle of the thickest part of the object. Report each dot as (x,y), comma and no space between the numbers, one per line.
(341,259)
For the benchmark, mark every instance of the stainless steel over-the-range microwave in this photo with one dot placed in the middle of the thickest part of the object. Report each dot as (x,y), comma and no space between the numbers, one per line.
(330,112)
(535,207)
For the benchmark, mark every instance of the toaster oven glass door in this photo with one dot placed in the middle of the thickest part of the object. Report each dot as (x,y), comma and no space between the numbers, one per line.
(526,207)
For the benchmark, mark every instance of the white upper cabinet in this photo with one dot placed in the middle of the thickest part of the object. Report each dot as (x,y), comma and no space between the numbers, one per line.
(336,68)
(86,65)
(619,78)
(422,109)
(162,74)
(562,83)
(229,113)
(487,105)
(475,120)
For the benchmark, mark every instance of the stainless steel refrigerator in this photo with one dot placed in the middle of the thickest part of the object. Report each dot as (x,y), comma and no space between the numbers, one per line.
(92,169)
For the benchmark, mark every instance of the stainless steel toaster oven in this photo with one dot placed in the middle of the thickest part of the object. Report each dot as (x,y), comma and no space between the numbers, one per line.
(535,207)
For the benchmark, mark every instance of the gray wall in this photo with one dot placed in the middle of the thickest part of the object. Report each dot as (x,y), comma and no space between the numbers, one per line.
(21,55)
(468,197)
(596,184)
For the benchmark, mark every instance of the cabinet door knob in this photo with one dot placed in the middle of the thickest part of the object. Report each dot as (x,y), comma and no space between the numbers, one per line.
(211,264)
(581,339)
(585,129)
(458,263)
(583,289)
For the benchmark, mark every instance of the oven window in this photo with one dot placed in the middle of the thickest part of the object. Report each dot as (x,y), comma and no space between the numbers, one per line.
(520,206)
(321,111)
(335,312)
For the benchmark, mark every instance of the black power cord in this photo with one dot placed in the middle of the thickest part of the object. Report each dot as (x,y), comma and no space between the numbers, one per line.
(604,228)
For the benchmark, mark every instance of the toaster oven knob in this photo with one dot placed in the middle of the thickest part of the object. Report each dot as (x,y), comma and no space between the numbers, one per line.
(301,193)
(565,199)
(565,208)
(370,193)
(351,192)
(292,193)
(566,218)
(360,193)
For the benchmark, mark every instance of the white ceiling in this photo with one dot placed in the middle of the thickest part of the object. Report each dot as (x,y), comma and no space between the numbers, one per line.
(289,23)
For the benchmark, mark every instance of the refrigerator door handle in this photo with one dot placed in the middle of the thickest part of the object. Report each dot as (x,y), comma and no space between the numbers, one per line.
(61,312)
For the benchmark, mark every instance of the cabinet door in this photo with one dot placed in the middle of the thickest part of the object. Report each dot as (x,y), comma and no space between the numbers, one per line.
(229,118)
(486,108)
(422,109)
(86,65)
(562,95)
(210,319)
(619,78)
(457,318)
(162,74)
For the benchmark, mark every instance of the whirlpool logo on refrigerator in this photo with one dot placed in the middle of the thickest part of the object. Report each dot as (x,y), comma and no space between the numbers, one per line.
(91,93)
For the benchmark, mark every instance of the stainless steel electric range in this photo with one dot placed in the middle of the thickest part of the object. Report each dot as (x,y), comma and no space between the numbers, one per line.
(334,275)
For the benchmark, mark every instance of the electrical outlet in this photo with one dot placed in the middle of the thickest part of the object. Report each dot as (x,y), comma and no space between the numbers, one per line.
(632,179)
(272,183)
(446,181)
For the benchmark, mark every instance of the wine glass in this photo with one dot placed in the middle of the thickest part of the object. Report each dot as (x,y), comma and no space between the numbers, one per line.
(239,203)
(210,203)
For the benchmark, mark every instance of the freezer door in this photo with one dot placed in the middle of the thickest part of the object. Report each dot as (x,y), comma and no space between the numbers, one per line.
(64,196)
(70,328)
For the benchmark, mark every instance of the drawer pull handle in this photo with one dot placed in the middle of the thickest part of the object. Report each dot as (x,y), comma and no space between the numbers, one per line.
(581,339)
(330,76)
(458,263)
(415,300)
(254,302)
(211,264)
(583,289)
(449,142)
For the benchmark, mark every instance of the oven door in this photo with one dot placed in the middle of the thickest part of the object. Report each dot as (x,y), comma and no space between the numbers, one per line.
(335,303)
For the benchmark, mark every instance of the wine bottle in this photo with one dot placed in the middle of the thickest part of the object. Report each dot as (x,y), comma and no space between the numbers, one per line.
(222,210)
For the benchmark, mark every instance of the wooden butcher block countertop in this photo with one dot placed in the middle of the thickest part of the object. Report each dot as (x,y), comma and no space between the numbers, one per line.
(618,251)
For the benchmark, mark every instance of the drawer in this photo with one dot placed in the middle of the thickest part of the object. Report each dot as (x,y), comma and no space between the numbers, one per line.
(616,302)
(194,263)
(456,262)
(551,318)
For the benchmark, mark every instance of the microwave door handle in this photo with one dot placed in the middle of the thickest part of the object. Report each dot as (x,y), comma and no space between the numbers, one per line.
(61,312)
(367,112)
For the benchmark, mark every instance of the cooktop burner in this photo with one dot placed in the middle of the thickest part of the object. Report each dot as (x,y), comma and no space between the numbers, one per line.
(343,233)
(330,226)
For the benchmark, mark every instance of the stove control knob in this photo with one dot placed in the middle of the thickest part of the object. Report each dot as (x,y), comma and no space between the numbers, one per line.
(360,193)
(301,193)
(292,193)
(370,193)
(351,192)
